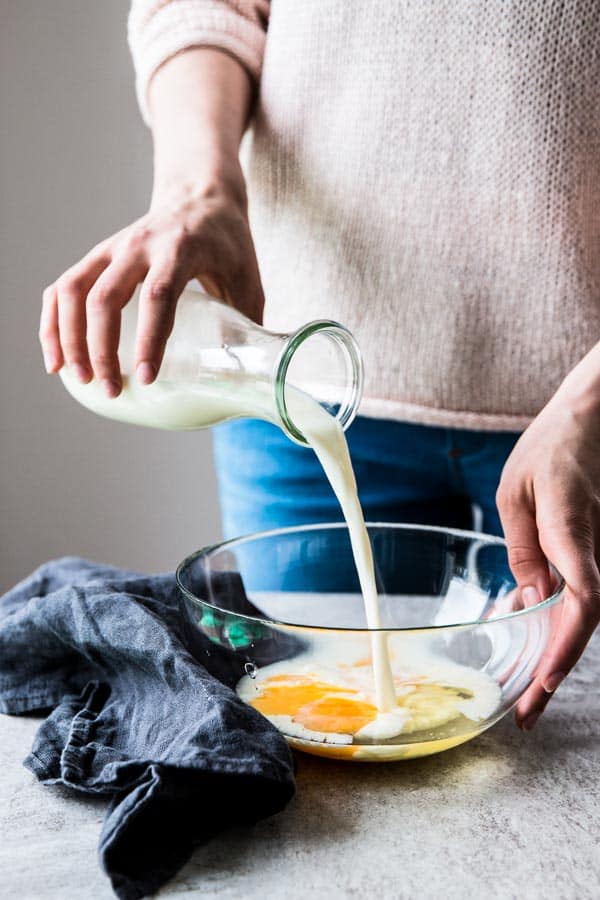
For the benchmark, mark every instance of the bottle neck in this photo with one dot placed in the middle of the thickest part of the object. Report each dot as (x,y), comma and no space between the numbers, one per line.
(322,360)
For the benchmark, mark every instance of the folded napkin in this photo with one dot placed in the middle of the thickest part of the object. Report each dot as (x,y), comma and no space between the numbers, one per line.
(135,716)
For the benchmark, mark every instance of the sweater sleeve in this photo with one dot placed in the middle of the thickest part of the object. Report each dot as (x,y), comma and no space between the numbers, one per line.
(158,29)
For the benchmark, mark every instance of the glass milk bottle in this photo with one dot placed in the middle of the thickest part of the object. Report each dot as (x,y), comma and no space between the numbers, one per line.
(219,365)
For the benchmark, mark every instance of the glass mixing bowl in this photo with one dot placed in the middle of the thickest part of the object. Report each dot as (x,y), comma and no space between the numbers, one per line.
(279,616)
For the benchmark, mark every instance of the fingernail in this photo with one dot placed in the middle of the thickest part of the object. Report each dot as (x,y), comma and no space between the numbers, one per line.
(111,388)
(530,595)
(145,373)
(530,722)
(82,372)
(552,681)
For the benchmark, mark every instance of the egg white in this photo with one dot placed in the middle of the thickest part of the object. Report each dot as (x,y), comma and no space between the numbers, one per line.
(336,664)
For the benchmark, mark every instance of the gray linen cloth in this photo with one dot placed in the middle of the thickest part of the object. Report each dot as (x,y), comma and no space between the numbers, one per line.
(134,716)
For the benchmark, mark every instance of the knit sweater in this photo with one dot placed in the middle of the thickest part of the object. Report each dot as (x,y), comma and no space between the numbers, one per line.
(426,172)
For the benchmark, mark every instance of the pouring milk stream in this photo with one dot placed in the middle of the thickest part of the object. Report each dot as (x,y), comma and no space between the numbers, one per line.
(229,378)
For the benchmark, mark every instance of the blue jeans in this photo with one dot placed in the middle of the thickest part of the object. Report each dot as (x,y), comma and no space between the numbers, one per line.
(404,472)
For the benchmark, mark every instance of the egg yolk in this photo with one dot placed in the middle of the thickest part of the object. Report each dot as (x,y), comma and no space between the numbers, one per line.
(327,708)
(314,704)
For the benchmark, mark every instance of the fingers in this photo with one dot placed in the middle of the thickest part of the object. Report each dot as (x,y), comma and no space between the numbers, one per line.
(569,639)
(525,556)
(570,546)
(531,706)
(81,314)
(106,299)
(72,289)
(578,622)
(62,322)
(49,334)
(158,299)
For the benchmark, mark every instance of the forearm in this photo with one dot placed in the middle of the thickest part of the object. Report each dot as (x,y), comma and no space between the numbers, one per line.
(196,228)
(199,103)
(581,387)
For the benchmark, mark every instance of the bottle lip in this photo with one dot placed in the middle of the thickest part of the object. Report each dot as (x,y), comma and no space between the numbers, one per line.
(348,410)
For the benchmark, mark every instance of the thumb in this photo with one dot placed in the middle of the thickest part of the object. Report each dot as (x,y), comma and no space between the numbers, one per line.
(246,290)
(526,558)
(243,291)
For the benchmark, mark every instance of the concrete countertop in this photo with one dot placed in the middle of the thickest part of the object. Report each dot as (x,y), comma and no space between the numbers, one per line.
(508,815)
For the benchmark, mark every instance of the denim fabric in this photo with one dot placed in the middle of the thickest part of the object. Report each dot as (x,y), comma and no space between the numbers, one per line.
(404,472)
(132,715)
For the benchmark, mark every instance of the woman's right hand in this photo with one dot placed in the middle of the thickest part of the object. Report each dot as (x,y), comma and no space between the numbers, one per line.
(184,235)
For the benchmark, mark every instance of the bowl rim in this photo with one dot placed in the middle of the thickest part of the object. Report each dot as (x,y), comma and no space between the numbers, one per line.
(206,551)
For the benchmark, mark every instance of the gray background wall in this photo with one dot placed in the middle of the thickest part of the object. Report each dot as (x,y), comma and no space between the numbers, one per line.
(75,165)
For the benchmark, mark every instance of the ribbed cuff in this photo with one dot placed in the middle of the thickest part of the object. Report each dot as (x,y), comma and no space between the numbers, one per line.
(159,30)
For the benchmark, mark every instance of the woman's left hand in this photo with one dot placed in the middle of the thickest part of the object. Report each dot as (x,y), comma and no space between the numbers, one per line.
(549,504)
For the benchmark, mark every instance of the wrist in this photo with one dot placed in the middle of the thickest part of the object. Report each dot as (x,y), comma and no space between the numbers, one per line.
(201,183)
(581,388)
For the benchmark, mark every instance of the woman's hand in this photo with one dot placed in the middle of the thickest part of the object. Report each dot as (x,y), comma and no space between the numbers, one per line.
(549,503)
(197,227)
(183,236)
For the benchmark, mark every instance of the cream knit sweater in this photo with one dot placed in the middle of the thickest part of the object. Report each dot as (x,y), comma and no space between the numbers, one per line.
(428,173)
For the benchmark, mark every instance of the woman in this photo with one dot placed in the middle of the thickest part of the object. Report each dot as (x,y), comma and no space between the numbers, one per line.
(429,175)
